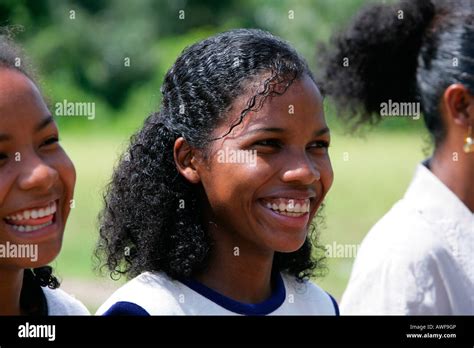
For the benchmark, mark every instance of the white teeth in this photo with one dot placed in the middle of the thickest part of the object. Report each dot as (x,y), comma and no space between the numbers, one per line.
(34,213)
(28,228)
(289,213)
(285,205)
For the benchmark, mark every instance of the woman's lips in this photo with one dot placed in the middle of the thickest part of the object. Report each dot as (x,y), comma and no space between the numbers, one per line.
(288,206)
(30,220)
(291,219)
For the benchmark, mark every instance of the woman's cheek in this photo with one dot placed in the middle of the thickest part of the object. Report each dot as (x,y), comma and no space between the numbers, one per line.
(67,176)
(7,180)
(327,174)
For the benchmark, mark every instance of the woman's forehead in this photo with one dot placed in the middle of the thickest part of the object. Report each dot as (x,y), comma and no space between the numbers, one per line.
(301,99)
(14,84)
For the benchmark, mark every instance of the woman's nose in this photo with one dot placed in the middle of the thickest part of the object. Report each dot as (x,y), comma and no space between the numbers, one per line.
(301,169)
(37,175)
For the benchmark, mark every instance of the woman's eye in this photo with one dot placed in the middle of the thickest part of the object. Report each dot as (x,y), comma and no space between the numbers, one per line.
(320,144)
(268,143)
(51,141)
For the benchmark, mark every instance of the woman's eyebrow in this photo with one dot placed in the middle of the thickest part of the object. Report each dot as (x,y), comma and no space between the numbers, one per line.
(267,129)
(45,122)
(317,133)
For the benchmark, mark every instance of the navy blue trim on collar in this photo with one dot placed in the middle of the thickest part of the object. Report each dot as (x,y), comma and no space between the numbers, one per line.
(263,308)
(124,308)
(334,303)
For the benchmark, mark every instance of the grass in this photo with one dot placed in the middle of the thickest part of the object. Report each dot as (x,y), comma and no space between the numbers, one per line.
(374,176)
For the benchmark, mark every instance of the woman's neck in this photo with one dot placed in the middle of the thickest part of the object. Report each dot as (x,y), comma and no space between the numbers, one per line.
(11,282)
(238,270)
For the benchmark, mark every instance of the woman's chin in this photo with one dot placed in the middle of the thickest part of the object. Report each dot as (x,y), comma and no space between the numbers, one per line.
(45,255)
(289,245)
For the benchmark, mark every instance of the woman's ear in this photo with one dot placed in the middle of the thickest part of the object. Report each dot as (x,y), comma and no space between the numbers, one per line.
(185,160)
(459,105)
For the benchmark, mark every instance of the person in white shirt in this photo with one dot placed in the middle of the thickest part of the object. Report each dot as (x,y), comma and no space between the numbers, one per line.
(36,187)
(154,293)
(418,259)
(211,209)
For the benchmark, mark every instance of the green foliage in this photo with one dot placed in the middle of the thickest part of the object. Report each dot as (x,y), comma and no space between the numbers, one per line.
(115,53)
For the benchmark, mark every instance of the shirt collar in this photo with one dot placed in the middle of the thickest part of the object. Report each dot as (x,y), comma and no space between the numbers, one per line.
(434,200)
(263,308)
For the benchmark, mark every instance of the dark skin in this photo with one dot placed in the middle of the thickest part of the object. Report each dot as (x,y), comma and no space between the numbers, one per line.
(43,175)
(457,107)
(292,161)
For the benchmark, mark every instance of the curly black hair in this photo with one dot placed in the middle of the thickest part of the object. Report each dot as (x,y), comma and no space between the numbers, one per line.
(408,51)
(143,226)
(12,57)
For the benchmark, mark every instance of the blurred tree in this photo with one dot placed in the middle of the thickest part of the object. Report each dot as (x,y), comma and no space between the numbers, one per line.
(109,49)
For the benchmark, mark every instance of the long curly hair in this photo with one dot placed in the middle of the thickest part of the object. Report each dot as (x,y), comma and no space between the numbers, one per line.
(407,51)
(153,218)
(10,55)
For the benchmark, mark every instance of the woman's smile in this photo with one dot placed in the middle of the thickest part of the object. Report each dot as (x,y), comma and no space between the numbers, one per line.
(289,214)
(34,222)
(288,206)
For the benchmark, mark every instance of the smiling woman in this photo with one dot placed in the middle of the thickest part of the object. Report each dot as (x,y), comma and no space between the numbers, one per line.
(205,234)
(36,185)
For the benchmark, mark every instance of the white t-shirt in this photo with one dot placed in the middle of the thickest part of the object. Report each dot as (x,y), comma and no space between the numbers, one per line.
(419,258)
(158,294)
(60,303)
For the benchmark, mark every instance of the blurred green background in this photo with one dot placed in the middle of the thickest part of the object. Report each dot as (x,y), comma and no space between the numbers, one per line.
(82,48)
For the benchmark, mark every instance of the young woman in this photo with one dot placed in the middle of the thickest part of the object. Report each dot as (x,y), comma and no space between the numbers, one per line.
(36,186)
(418,259)
(212,205)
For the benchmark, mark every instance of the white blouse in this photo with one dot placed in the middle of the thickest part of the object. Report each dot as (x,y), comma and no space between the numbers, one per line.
(155,293)
(419,258)
(61,303)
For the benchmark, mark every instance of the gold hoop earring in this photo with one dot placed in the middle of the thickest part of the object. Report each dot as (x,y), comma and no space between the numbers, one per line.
(469,142)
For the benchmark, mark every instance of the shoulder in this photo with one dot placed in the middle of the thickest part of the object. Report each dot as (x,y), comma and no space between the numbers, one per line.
(402,235)
(60,303)
(397,265)
(148,293)
(307,298)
